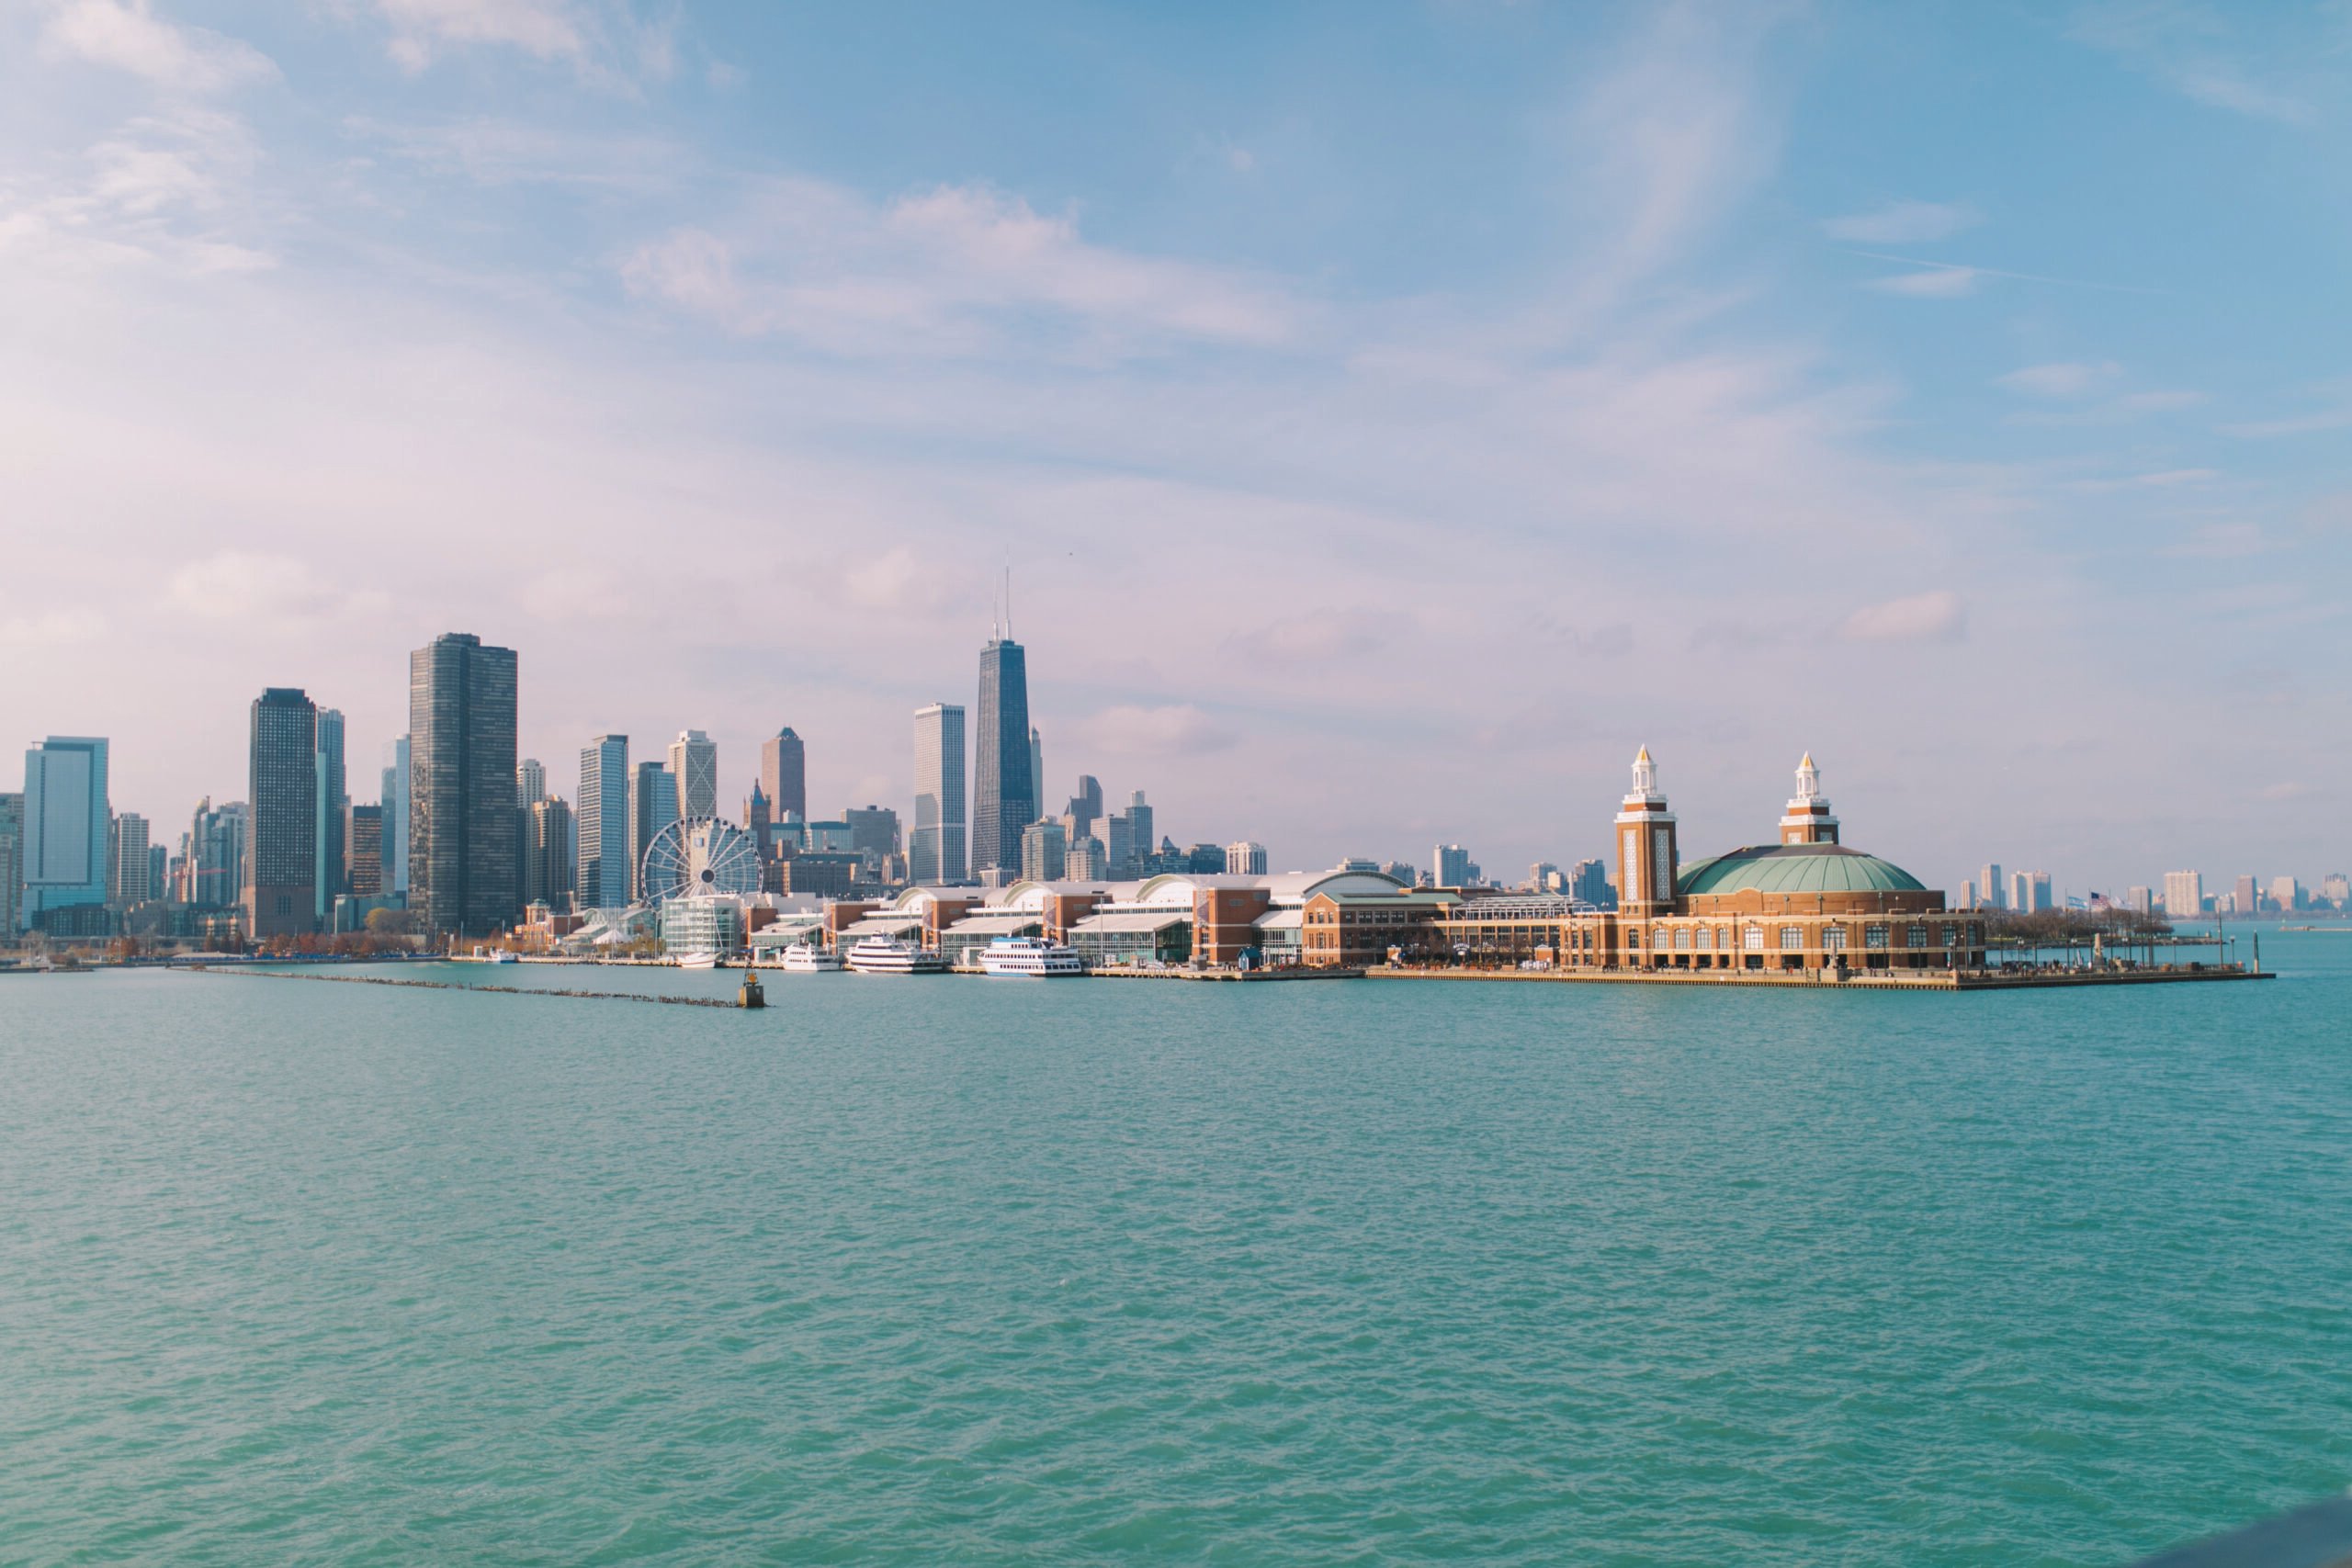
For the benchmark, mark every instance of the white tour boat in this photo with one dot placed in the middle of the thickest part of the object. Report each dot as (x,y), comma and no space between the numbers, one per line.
(803,959)
(698,960)
(1030,958)
(888,956)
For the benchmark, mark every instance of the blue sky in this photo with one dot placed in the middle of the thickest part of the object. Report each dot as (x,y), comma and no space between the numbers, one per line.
(1394,414)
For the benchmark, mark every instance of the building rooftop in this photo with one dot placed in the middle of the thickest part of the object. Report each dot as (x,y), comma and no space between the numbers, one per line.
(1795,868)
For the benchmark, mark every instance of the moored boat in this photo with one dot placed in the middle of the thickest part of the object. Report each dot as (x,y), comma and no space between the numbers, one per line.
(698,960)
(804,959)
(888,956)
(1029,958)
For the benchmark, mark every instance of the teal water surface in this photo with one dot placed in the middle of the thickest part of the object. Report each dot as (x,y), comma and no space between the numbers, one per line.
(958,1271)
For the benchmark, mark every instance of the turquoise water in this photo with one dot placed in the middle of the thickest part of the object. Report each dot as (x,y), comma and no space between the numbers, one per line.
(950,1271)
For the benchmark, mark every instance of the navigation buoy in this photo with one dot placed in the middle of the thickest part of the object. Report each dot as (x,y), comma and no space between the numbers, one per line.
(753,994)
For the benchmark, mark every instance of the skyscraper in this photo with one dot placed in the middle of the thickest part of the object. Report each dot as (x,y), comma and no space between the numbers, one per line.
(1996,891)
(12,863)
(2184,894)
(463,859)
(546,852)
(1044,850)
(694,763)
(783,774)
(1084,813)
(873,837)
(652,805)
(936,849)
(530,782)
(394,797)
(327,873)
(281,890)
(1450,864)
(216,848)
(1244,859)
(1036,775)
(65,826)
(1004,794)
(603,879)
(127,862)
(364,851)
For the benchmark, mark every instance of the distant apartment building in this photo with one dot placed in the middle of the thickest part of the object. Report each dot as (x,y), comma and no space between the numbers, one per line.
(652,805)
(783,774)
(873,837)
(2336,888)
(2140,901)
(2184,894)
(547,853)
(216,837)
(530,783)
(364,851)
(1127,837)
(66,816)
(2243,895)
(1246,858)
(1087,859)
(694,763)
(602,879)
(327,756)
(2030,892)
(2286,894)
(129,865)
(937,849)
(1991,887)
(394,797)
(464,850)
(12,863)
(1044,851)
(1451,865)
(1084,813)
(1589,884)
(281,891)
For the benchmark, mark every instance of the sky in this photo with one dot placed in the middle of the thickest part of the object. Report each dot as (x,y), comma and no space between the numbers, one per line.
(1391,415)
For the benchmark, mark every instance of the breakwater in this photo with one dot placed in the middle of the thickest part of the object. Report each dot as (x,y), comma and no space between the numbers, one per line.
(728,1003)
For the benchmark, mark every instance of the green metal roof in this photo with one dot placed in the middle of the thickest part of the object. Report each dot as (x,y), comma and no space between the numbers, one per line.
(1795,868)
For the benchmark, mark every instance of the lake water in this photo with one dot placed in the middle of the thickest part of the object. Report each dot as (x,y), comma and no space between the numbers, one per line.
(951,1270)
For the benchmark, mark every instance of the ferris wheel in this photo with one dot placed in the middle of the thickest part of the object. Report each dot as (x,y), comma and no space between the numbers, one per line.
(700,857)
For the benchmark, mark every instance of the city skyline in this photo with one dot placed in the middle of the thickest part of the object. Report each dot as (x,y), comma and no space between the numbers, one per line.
(1639,366)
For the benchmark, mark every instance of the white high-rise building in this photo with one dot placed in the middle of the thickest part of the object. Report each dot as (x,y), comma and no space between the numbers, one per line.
(1246,858)
(2184,894)
(530,783)
(936,849)
(694,763)
(1991,887)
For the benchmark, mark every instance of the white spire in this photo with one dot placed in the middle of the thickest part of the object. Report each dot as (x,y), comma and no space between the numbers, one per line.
(1808,779)
(1644,773)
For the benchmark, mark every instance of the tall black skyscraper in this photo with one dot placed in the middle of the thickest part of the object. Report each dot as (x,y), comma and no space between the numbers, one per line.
(464,857)
(1004,797)
(282,845)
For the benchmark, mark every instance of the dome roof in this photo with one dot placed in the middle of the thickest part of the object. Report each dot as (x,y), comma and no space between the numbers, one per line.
(1795,868)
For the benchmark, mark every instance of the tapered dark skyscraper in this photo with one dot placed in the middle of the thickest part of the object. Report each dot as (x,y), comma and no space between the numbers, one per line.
(1004,797)
(464,854)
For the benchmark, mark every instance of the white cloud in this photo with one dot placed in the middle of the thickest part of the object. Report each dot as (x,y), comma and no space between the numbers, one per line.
(1938,616)
(1317,637)
(1176,730)
(897,582)
(1931,282)
(252,589)
(2190,49)
(546,30)
(50,629)
(2221,541)
(953,269)
(126,35)
(2069,379)
(1904,223)
(2171,477)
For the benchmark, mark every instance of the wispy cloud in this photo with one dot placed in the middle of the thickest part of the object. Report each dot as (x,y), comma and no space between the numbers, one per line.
(1904,223)
(1937,617)
(1175,729)
(1931,282)
(954,269)
(546,30)
(2192,49)
(2068,378)
(126,35)
(2337,418)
